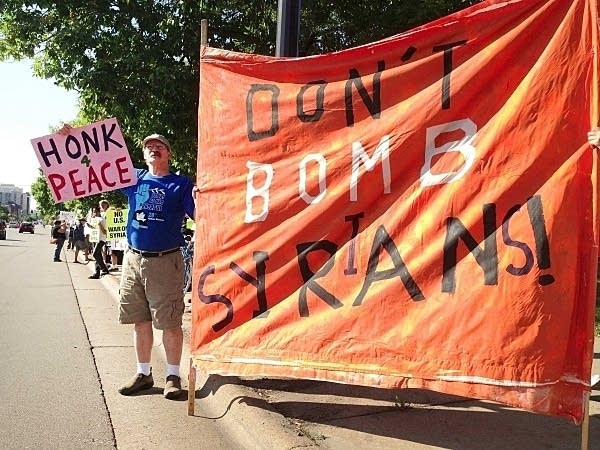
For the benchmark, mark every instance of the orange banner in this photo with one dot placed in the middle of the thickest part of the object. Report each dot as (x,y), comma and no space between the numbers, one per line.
(416,212)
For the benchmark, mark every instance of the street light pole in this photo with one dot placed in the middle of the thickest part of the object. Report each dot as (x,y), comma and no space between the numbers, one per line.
(288,27)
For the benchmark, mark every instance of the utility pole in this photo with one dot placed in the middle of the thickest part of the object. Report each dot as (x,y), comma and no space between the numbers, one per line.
(288,27)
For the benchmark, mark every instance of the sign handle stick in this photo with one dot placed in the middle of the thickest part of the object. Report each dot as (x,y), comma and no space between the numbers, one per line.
(191,387)
(585,424)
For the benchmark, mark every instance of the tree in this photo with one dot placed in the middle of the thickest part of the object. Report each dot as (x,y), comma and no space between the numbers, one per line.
(138,60)
(329,26)
(43,197)
(4,213)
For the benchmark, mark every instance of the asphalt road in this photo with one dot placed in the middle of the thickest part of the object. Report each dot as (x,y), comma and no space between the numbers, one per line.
(50,391)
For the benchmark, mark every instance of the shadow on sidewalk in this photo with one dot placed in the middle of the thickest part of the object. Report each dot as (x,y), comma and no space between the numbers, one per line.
(311,387)
(414,415)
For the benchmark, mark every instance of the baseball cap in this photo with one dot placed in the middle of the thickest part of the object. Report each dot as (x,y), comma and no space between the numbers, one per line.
(157,137)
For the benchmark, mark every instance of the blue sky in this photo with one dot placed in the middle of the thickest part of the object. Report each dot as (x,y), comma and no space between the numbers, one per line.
(29,107)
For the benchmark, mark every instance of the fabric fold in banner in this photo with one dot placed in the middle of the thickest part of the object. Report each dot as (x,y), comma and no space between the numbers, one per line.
(416,212)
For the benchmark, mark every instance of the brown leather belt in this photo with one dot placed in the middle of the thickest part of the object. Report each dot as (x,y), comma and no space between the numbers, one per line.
(153,254)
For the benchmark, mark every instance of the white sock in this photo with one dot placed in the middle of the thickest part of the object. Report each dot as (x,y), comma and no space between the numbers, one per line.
(144,368)
(172,369)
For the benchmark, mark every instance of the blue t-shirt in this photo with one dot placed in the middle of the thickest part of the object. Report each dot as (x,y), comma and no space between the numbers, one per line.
(157,207)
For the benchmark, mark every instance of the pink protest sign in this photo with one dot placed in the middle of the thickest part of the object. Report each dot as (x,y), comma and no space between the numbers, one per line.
(89,160)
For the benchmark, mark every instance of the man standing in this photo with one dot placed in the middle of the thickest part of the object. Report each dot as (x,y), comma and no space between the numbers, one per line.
(152,271)
(79,241)
(58,236)
(71,228)
(99,222)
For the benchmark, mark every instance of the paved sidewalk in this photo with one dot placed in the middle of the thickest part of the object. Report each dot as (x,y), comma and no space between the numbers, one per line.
(286,414)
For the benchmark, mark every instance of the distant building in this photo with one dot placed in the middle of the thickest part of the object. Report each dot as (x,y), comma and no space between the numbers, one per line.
(17,201)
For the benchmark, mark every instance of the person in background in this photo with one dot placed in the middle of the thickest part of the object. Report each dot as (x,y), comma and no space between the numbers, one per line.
(58,233)
(88,234)
(99,223)
(151,288)
(113,254)
(116,254)
(80,241)
(109,251)
(104,207)
(71,228)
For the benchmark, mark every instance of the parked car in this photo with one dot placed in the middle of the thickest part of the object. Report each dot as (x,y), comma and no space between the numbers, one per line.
(2,230)
(26,227)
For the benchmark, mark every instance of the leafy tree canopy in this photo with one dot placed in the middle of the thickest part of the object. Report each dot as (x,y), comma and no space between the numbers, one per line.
(4,212)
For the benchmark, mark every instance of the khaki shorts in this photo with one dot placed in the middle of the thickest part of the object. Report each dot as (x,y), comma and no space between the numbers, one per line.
(152,290)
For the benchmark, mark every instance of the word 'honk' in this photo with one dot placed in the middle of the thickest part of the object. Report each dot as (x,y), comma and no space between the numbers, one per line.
(75,147)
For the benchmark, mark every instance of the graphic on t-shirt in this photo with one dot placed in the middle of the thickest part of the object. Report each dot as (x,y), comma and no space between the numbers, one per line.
(150,203)
(156,200)
(142,194)
(140,216)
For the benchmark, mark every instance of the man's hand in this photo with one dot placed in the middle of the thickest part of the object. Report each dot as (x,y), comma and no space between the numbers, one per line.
(65,130)
(594,137)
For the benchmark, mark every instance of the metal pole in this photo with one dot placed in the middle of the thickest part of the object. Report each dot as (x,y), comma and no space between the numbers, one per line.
(204,32)
(288,27)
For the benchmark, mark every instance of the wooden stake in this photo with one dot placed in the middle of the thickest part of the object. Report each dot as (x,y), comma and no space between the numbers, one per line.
(585,424)
(191,387)
(192,371)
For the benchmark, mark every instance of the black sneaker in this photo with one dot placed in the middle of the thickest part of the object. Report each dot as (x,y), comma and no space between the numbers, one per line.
(139,382)
(94,277)
(172,389)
